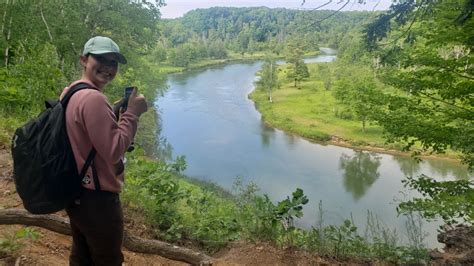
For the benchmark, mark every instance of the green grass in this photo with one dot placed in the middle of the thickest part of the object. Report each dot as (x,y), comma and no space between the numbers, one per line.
(309,110)
(8,125)
(167,68)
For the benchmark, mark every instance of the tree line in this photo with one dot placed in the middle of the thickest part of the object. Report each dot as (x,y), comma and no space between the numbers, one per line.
(218,31)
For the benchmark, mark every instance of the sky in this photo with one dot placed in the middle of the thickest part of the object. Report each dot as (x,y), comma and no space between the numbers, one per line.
(177,8)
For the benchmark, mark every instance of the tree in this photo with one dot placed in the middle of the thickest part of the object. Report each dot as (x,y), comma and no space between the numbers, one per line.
(41,41)
(434,80)
(359,92)
(268,77)
(217,50)
(324,74)
(246,30)
(159,52)
(453,201)
(426,56)
(297,70)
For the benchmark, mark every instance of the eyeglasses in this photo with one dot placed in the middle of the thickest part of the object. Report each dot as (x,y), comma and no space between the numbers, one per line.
(104,61)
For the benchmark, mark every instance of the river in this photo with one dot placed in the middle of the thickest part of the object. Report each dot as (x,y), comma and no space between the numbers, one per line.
(206,115)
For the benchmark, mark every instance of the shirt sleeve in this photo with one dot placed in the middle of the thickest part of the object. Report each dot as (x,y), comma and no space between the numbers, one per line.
(109,138)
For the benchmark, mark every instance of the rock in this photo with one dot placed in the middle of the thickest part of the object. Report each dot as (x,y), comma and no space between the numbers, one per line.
(436,255)
(460,238)
(459,249)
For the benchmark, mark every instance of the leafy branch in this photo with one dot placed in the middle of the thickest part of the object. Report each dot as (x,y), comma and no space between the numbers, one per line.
(450,200)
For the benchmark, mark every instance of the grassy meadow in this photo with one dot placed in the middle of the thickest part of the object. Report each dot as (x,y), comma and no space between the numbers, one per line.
(311,111)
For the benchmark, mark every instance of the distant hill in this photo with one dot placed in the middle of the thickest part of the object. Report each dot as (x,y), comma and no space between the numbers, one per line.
(240,28)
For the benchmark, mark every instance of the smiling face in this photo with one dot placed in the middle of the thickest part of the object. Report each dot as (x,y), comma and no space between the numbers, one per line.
(99,69)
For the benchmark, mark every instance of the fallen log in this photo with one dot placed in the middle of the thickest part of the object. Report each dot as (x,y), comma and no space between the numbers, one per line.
(61,225)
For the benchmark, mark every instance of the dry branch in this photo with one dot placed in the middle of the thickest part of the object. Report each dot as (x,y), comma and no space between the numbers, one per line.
(132,243)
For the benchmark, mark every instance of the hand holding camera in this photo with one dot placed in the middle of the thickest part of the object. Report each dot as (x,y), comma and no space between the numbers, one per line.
(131,100)
(135,101)
(138,102)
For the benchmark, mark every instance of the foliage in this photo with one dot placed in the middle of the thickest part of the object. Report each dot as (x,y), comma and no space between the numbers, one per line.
(452,201)
(298,69)
(41,43)
(262,24)
(33,80)
(152,185)
(177,210)
(358,91)
(430,70)
(344,241)
(11,243)
(427,61)
(423,50)
(260,219)
(251,30)
(324,74)
(255,213)
(214,223)
(268,77)
(211,222)
(287,210)
(313,112)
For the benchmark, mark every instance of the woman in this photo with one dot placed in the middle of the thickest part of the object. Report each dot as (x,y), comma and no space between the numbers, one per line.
(96,217)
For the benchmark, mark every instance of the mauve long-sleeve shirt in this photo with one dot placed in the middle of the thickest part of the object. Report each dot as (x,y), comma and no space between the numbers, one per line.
(90,122)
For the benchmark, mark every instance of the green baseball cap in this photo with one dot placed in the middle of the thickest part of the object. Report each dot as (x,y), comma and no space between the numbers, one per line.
(103,45)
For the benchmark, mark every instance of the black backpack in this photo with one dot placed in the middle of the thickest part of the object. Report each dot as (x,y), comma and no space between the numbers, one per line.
(44,168)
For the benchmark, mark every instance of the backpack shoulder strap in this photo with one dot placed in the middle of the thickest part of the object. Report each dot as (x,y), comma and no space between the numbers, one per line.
(90,158)
(77,87)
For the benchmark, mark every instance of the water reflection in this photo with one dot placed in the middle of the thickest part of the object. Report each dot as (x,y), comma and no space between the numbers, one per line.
(360,172)
(181,79)
(408,165)
(164,150)
(267,134)
(290,140)
(448,169)
(435,167)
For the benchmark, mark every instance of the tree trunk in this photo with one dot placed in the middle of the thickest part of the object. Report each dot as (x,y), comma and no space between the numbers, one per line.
(45,23)
(61,225)
(7,50)
(4,17)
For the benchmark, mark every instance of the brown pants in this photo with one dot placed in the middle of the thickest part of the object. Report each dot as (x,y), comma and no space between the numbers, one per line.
(97,229)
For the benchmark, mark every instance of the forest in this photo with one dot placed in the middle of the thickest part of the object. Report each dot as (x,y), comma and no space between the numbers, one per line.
(404,79)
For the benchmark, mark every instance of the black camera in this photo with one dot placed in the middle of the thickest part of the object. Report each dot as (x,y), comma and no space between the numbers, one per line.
(127,92)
